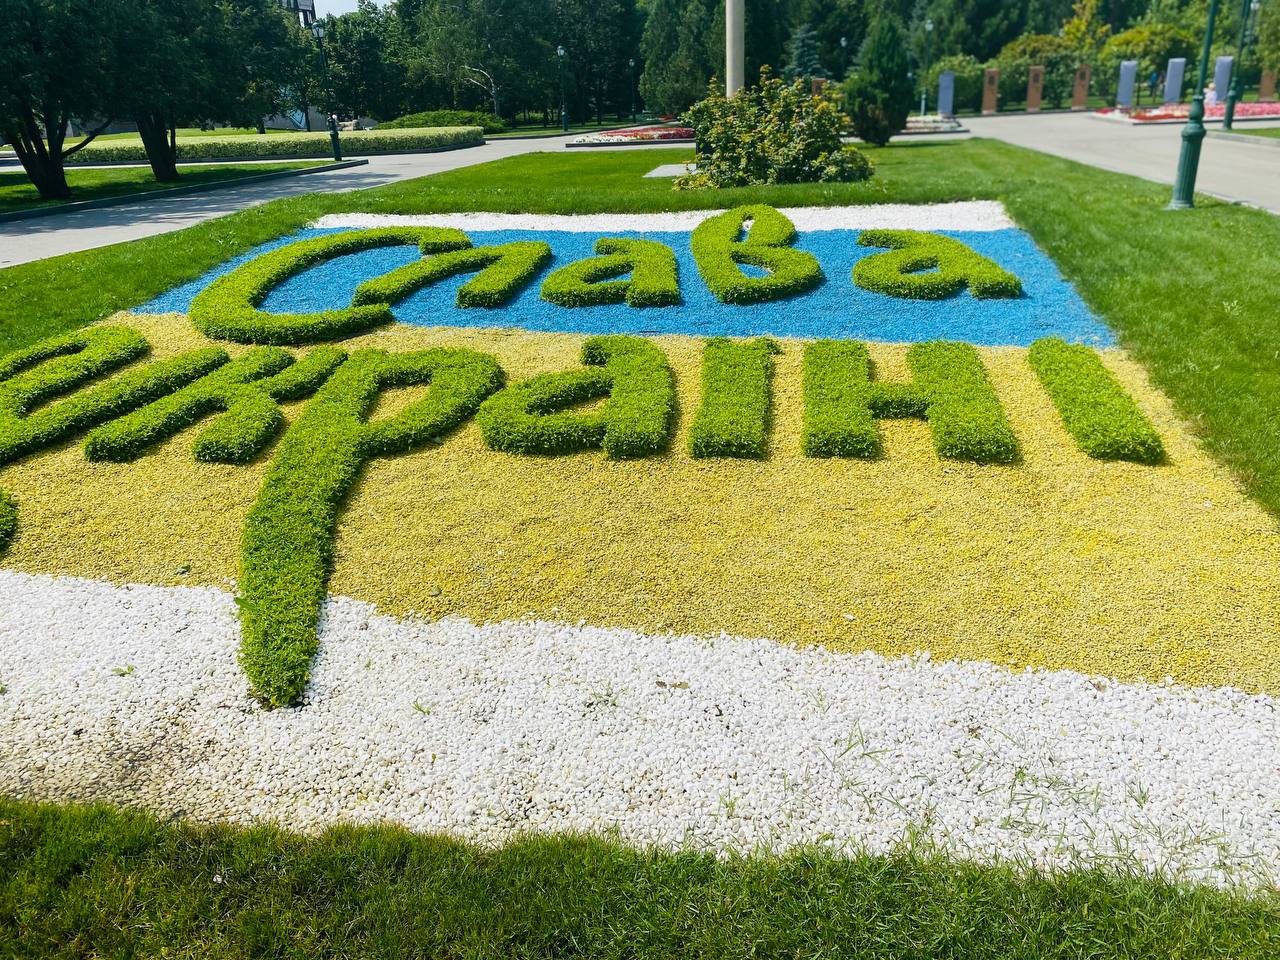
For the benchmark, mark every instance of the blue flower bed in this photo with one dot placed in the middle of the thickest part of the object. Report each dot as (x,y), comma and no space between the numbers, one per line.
(1050,307)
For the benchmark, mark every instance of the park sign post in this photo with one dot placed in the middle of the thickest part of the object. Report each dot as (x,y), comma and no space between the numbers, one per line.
(1173,77)
(1184,185)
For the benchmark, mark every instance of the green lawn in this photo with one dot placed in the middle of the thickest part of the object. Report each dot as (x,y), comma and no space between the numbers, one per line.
(17,193)
(92,882)
(1251,131)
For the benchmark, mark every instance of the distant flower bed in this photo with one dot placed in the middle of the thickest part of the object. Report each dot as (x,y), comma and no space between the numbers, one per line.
(1179,111)
(638,135)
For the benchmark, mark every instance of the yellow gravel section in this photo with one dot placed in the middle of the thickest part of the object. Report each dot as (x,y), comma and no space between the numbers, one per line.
(1058,562)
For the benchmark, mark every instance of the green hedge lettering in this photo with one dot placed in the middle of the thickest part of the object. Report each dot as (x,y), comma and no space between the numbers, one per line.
(950,390)
(246,391)
(227,309)
(718,251)
(646,272)
(949,267)
(8,521)
(287,548)
(733,420)
(1103,419)
(57,367)
(635,421)
(504,271)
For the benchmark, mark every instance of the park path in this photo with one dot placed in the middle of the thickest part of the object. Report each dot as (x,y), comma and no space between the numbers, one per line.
(1242,172)
(23,241)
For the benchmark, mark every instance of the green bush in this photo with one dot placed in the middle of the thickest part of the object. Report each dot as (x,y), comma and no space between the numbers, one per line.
(446,118)
(246,391)
(968,72)
(227,309)
(1096,410)
(1035,49)
(733,419)
(635,421)
(287,548)
(504,270)
(950,390)
(358,143)
(58,366)
(879,93)
(949,264)
(8,521)
(648,268)
(718,250)
(771,133)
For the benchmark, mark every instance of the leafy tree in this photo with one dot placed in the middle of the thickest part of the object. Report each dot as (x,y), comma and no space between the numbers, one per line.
(366,70)
(879,93)
(977,27)
(1043,49)
(832,20)
(1085,32)
(1151,44)
(1269,36)
(59,64)
(802,55)
(660,84)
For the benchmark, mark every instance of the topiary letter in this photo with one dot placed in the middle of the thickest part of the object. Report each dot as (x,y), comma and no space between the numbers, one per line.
(733,420)
(652,277)
(504,271)
(718,250)
(949,264)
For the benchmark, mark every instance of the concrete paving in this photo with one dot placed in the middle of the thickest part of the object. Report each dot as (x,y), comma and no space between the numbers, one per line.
(1238,171)
(25,240)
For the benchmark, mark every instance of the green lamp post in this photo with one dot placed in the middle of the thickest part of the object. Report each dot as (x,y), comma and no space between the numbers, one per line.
(1184,185)
(317,31)
(1247,12)
(564,110)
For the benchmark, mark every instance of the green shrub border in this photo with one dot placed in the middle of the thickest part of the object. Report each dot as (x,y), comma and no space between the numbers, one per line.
(718,251)
(950,265)
(635,421)
(8,521)
(246,391)
(1102,418)
(287,548)
(227,309)
(504,270)
(950,390)
(733,418)
(649,267)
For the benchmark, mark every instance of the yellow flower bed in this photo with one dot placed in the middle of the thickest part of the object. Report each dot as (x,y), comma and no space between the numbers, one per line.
(1059,561)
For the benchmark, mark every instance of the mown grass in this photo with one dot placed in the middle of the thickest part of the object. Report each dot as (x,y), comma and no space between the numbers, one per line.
(1251,131)
(95,882)
(1191,294)
(17,193)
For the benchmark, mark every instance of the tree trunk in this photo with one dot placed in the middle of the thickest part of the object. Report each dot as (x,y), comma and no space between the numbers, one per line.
(161,146)
(42,165)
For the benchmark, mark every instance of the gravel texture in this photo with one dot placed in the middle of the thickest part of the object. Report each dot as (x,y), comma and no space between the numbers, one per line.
(133,694)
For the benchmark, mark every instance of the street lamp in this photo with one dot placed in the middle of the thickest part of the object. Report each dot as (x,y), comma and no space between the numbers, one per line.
(564,112)
(317,31)
(632,64)
(1184,185)
(928,55)
(1247,11)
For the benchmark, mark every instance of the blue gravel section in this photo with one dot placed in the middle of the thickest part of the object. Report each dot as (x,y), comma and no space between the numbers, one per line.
(836,309)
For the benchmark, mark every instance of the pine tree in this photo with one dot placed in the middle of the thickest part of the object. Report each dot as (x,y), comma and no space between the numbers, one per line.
(879,93)
(802,55)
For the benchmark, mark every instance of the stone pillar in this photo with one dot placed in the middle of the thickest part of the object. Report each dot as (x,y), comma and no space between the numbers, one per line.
(1035,88)
(1267,90)
(1080,89)
(991,90)
(1222,78)
(1128,80)
(734,46)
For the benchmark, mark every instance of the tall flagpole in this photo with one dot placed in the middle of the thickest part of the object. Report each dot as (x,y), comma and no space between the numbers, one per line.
(734,42)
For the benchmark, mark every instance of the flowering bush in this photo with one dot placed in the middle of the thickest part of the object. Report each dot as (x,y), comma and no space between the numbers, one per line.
(773,133)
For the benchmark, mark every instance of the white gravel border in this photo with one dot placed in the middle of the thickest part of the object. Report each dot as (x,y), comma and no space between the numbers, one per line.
(982,215)
(133,694)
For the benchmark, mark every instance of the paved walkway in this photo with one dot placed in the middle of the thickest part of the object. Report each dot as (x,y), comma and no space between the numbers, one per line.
(25,240)
(1242,172)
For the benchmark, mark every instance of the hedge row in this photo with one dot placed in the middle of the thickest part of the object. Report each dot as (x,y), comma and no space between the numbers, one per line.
(636,420)
(718,251)
(733,419)
(487,122)
(648,268)
(71,361)
(504,270)
(287,548)
(950,390)
(227,309)
(247,392)
(950,266)
(8,521)
(1095,409)
(287,145)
